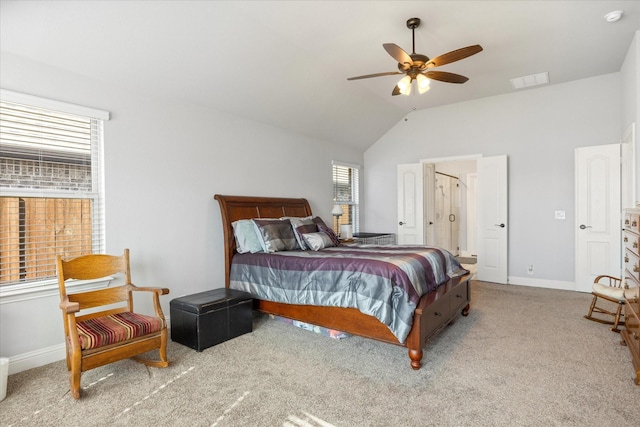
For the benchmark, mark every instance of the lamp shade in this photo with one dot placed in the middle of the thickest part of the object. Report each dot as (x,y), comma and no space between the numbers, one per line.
(405,85)
(423,83)
(337,210)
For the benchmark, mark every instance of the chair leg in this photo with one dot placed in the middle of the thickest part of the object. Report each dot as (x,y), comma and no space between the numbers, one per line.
(162,350)
(617,320)
(74,375)
(68,358)
(593,304)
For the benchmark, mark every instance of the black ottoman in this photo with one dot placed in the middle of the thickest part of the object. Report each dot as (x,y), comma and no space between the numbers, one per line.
(208,318)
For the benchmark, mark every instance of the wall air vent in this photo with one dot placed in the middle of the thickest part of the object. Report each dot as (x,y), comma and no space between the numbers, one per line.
(530,80)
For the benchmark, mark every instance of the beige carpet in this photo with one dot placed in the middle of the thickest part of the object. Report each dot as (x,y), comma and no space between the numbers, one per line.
(523,357)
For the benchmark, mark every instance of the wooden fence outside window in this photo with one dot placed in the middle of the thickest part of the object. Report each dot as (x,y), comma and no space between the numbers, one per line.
(34,230)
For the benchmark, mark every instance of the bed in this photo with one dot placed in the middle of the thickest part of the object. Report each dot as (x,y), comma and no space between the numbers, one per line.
(433,310)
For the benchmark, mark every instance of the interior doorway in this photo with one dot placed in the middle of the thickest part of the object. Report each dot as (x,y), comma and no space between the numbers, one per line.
(481,207)
(455,203)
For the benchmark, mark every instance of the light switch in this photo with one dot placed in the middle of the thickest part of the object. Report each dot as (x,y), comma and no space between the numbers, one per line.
(560,215)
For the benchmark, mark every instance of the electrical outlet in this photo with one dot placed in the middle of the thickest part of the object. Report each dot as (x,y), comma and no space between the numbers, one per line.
(530,269)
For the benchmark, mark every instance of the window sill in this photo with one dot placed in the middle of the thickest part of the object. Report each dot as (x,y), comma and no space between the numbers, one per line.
(48,288)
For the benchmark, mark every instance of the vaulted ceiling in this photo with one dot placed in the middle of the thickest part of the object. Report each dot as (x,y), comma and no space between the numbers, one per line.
(286,63)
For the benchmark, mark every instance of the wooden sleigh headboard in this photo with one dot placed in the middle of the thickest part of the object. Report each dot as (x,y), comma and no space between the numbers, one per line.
(234,208)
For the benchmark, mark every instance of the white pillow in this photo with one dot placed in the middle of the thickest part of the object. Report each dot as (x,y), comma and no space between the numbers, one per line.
(246,236)
(317,241)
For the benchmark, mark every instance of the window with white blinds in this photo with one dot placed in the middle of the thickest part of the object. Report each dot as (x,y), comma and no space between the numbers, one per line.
(346,193)
(51,186)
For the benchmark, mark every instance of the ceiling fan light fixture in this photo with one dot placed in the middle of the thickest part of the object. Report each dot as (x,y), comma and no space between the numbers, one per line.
(423,83)
(418,67)
(405,85)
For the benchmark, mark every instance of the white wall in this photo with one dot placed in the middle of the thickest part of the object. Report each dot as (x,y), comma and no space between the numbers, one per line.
(164,162)
(538,129)
(630,91)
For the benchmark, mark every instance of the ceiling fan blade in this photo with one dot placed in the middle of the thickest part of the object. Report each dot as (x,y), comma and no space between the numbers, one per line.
(396,91)
(389,73)
(454,55)
(397,53)
(443,76)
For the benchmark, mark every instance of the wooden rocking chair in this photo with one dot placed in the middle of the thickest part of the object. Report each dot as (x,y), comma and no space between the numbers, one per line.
(610,289)
(111,331)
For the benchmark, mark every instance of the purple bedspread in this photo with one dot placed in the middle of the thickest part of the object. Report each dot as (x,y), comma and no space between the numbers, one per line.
(381,281)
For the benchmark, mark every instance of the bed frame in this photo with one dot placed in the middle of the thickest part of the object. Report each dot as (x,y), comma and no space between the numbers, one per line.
(434,310)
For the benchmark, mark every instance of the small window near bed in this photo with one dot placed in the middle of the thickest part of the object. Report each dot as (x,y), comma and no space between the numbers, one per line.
(346,194)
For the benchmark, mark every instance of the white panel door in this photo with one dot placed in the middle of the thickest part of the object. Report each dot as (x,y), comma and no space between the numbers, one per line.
(416,211)
(472,223)
(492,219)
(410,204)
(429,175)
(598,215)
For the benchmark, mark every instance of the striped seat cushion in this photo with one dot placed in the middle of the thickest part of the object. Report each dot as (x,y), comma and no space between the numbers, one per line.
(115,328)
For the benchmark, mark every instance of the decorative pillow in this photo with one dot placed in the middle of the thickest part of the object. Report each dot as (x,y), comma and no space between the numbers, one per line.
(276,234)
(300,226)
(304,229)
(246,237)
(317,241)
(329,232)
(319,221)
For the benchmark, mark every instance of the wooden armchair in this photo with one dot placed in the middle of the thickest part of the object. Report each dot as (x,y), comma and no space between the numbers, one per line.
(610,289)
(111,331)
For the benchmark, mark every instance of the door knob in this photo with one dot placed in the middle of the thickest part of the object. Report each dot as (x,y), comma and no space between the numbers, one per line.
(583,227)
(500,225)
(401,223)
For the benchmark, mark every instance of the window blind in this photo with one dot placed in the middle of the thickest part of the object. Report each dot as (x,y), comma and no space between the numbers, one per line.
(51,190)
(346,193)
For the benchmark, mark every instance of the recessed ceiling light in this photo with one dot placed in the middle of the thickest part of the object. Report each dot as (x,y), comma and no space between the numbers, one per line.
(613,16)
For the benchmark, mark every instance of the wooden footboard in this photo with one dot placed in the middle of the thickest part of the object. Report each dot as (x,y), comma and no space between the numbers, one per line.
(434,311)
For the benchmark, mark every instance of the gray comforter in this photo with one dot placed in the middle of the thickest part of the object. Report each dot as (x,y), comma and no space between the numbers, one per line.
(381,281)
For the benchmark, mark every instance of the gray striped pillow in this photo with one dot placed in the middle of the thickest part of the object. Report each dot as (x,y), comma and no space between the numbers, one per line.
(275,235)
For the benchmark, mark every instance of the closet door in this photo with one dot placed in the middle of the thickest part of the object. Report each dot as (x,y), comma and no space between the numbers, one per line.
(492,219)
(410,204)
(598,218)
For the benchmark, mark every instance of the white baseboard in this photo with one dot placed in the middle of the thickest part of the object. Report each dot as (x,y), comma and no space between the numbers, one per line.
(542,283)
(36,358)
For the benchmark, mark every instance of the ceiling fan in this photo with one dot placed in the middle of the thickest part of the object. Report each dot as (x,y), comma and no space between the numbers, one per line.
(418,67)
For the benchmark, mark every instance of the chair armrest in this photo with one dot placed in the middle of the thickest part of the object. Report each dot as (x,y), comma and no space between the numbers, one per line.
(156,296)
(69,307)
(612,280)
(159,291)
